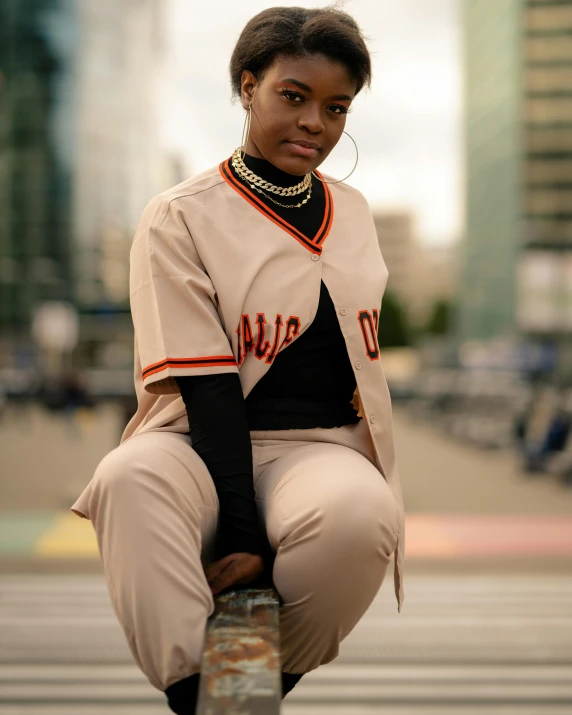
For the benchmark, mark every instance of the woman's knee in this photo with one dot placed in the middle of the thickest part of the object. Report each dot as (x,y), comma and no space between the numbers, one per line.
(112,469)
(359,519)
(138,467)
(117,471)
(337,553)
(346,526)
(147,457)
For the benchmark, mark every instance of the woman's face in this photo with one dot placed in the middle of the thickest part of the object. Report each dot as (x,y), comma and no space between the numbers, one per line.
(298,111)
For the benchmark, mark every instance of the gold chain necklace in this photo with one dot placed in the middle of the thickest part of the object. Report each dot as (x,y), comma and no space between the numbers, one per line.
(286,206)
(245,173)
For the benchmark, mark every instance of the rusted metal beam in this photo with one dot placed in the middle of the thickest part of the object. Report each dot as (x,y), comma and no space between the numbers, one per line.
(240,671)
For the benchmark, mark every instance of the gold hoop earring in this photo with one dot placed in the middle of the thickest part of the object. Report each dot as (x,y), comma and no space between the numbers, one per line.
(351,172)
(247,120)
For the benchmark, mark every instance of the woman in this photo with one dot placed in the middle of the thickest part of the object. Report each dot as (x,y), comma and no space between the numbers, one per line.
(255,294)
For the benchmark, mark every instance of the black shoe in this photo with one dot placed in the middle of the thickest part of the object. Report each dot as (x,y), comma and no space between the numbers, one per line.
(182,696)
(289,680)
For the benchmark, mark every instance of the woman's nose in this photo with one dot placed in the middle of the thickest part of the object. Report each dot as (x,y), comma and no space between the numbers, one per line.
(311,120)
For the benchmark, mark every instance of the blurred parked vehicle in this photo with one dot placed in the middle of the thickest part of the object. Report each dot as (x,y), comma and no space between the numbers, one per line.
(500,410)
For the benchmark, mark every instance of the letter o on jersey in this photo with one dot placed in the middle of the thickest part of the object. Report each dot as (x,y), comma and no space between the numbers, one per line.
(367,324)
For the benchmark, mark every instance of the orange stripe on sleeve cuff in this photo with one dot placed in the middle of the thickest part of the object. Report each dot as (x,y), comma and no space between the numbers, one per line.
(212,361)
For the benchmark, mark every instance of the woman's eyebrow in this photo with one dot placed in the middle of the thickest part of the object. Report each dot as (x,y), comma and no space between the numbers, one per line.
(291,80)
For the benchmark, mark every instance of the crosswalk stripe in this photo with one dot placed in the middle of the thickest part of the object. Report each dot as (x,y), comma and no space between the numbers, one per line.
(462,644)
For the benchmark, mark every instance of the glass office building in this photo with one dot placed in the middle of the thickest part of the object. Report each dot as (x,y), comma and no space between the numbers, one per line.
(37,47)
(79,150)
(518,139)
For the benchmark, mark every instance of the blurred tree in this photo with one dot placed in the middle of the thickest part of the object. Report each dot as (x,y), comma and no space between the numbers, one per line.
(439,321)
(394,330)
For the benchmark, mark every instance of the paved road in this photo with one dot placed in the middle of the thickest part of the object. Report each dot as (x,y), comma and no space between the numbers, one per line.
(50,460)
(440,475)
(471,645)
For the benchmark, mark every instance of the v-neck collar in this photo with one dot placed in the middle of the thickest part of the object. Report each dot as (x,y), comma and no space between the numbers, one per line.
(312,244)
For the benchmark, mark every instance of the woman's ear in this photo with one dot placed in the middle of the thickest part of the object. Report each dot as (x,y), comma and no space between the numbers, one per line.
(248,84)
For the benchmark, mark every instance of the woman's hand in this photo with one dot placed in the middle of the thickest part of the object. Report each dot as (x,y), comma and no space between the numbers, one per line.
(233,569)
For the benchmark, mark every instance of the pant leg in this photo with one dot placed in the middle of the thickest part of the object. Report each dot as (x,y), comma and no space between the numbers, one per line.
(154,509)
(333,520)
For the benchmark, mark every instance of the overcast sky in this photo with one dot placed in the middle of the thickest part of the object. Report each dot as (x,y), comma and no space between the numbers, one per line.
(407,126)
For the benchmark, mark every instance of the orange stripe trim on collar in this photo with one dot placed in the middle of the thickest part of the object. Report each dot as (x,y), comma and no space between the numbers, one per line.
(312,245)
(324,230)
(260,206)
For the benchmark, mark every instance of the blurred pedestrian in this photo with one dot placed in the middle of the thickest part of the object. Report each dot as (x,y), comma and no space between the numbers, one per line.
(263,442)
(75,399)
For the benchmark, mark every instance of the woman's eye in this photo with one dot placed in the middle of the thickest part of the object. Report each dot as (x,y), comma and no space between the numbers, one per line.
(292,96)
(297,98)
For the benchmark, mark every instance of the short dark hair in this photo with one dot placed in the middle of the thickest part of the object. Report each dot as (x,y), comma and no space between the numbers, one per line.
(298,32)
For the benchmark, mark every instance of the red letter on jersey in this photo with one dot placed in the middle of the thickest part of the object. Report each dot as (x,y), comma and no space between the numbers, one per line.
(261,344)
(293,325)
(245,344)
(277,331)
(367,323)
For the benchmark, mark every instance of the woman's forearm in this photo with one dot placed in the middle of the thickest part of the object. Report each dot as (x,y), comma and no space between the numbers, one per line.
(219,432)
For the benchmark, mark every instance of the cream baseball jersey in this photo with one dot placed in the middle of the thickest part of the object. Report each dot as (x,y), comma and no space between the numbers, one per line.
(221,283)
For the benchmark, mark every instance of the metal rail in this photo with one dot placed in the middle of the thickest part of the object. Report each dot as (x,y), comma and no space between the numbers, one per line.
(240,671)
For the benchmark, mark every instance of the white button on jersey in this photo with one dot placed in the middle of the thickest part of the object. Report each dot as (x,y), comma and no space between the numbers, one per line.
(315,257)
(358,365)
(343,311)
(372,419)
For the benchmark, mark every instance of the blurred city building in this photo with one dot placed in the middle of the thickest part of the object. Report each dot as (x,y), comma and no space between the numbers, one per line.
(117,139)
(516,258)
(438,277)
(419,275)
(79,153)
(37,43)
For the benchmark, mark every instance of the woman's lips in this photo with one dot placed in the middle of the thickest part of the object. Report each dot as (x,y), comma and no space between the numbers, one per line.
(300,150)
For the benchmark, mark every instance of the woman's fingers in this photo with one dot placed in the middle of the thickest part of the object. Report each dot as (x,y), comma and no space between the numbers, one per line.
(231,570)
(226,577)
(215,569)
(215,574)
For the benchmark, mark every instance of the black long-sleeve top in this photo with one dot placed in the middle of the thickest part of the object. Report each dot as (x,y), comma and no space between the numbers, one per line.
(310,384)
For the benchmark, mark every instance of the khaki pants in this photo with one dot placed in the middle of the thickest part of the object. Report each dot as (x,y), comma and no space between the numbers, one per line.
(329,514)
